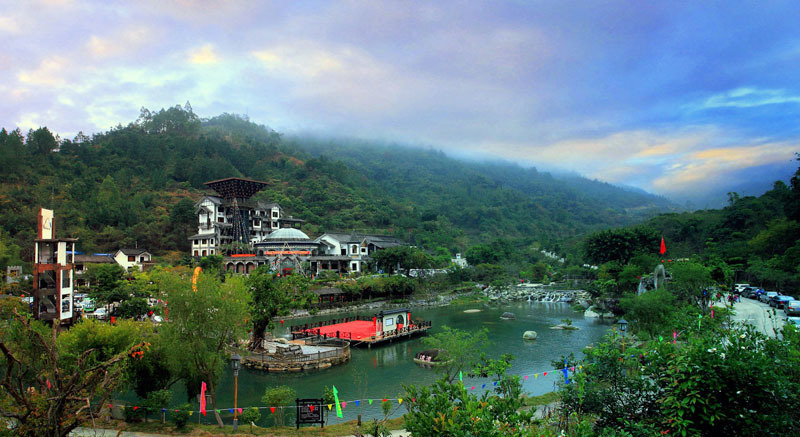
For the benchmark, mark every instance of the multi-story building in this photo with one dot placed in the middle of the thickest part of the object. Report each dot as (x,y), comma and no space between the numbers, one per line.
(234,218)
(348,252)
(53,272)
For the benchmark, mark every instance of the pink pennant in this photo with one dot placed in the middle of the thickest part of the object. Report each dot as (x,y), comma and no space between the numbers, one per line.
(110,406)
(48,384)
(472,388)
(240,410)
(526,377)
(572,369)
(344,404)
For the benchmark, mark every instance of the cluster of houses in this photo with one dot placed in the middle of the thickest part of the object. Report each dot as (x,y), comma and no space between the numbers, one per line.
(251,233)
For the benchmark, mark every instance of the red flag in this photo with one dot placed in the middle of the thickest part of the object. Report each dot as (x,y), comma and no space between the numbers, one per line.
(663,246)
(203,398)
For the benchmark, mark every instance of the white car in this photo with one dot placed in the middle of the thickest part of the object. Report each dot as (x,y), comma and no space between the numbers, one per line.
(101,314)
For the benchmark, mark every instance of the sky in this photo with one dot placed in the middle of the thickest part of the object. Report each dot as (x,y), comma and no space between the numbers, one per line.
(687,99)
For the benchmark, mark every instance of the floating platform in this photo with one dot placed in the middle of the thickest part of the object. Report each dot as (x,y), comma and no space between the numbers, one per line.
(386,326)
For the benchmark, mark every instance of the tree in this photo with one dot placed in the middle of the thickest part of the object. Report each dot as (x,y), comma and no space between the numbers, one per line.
(201,326)
(651,312)
(458,350)
(689,279)
(278,397)
(105,280)
(268,300)
(448,408)
(41,141)
(49,387)
(620,245)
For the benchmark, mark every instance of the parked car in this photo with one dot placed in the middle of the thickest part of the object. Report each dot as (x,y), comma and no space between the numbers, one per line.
(794,320)
(779,301)
(101,314)
(740,287)
(767,296)
(749,292)
(792,308)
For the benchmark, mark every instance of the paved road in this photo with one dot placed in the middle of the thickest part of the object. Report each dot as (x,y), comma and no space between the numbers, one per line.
(760,315)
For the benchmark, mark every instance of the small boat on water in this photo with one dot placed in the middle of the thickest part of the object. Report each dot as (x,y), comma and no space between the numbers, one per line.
(429,357)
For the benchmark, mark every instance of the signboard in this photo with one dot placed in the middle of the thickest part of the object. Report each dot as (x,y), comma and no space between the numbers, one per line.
(310,411)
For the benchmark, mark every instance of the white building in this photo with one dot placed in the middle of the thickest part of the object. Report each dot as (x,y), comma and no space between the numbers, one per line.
(348,252)
(132,258)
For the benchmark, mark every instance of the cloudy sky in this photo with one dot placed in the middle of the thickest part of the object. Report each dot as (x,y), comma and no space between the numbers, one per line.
(685,99)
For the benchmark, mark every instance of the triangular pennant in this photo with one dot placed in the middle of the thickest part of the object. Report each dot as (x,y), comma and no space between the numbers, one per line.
(272,410)
(400,400)
(472,388)
(344,404)
(330,406)
(240,411)
(384,399)
(370,401)
(163,410)
(231,410)
(535,376)
(572,369)
(544,374)
(311,408)
(191,412)
(483,386)
(525,378)
(110,406)
(357,402)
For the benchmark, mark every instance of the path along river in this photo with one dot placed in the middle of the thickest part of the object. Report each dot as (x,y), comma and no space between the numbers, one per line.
(380,372)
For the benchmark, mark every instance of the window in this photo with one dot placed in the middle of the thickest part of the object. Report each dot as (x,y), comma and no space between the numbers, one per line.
(204,253)
(221,219)
(344,251)
(363,250)
(212,251)
(65,279)
(204,241)
(353,249)
(275,214)
(354,267)
(195,253)
(131,258)
(274,224)
(141,259)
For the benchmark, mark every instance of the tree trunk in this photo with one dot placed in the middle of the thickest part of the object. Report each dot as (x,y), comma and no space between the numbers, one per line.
(214,403)
(259,331)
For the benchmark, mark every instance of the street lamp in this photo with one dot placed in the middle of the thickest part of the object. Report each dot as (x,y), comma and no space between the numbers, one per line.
(235,362)
(623,326)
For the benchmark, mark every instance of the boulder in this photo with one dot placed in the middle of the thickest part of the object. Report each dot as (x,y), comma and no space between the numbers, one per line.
(529,335)
(508,315)
(590,312)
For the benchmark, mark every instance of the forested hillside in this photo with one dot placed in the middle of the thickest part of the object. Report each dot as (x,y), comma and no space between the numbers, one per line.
(136,185)
(753,239)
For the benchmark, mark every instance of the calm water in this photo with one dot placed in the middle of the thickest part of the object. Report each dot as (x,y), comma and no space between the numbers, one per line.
(380,372)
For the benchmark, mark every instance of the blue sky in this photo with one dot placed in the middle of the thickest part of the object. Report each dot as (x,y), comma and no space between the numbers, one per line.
(684,99)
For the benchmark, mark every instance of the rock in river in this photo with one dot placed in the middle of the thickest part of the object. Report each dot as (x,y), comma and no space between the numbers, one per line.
(508,315)
(529,335)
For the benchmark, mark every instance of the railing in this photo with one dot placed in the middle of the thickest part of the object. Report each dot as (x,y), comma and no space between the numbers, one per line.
(307,326)
(265,357)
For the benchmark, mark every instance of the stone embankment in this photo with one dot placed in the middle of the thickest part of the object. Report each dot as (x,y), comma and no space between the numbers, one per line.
(538,293)
(296,358)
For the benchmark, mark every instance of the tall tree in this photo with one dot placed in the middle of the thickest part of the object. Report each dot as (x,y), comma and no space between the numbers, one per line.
(203,324)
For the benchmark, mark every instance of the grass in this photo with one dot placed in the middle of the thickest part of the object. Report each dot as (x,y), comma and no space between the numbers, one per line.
(545,399)
(156,427)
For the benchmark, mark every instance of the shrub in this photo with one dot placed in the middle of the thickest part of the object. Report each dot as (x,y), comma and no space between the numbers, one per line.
(181,417)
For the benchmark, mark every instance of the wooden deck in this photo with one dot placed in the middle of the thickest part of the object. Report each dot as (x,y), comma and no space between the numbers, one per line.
(360,331)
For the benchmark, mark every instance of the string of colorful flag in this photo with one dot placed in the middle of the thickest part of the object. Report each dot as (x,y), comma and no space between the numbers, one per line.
(343,404)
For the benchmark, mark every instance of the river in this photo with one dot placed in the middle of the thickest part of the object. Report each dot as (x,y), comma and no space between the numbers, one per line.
(380,372)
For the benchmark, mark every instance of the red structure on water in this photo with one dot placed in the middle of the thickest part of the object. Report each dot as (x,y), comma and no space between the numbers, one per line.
(382,327)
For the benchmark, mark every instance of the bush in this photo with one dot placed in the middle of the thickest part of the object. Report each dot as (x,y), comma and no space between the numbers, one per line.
(181,417)
(250,416)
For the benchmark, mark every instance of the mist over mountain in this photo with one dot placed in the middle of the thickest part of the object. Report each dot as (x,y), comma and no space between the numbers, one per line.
(136,185)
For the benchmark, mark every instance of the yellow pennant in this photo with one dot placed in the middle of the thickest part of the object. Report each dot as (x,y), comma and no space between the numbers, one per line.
(400,401)
(191,412)
(536,376)
(329,406)
(580,367)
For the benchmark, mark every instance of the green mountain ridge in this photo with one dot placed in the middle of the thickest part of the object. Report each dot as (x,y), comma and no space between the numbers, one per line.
(136,185)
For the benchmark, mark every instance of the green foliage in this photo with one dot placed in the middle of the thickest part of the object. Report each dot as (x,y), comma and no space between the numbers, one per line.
(280,396)
(267,301)
(458,350)
(47,378)
(620,245)
(689,279)
(650,313)
(106,280)
(250,416)
(448,408)
(201,325)
(181,417)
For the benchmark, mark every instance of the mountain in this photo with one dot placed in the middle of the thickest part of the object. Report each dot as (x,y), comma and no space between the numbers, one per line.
(136,185)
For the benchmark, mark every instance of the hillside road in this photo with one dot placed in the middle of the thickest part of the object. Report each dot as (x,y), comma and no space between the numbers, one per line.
(760,315)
